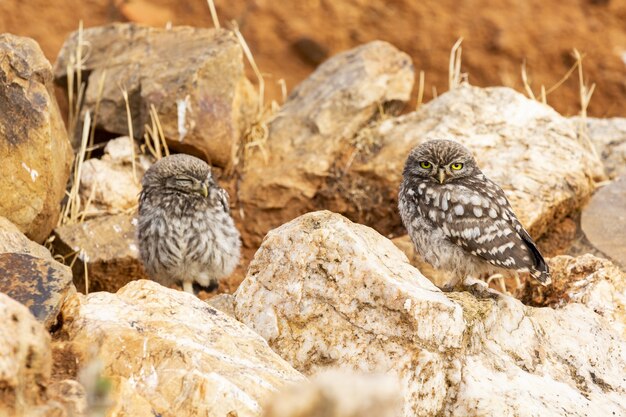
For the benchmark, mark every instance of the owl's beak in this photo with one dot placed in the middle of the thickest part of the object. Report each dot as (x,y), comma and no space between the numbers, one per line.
(441,176)
(202,189)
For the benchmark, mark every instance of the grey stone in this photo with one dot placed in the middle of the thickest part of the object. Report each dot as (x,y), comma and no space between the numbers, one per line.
(604,220)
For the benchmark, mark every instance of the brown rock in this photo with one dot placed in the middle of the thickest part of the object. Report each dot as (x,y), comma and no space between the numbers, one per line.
(314,128)
(167,353)
(603,220)
(107,245)
(25,363)
(194,77)
(31,276)
(12,240)
(42,285)
(588,280)
(34,149)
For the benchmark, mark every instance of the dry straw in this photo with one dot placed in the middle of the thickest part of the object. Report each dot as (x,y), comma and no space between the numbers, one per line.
(131,135)
(71,211)
(455,78)
(153,138)
(420,91)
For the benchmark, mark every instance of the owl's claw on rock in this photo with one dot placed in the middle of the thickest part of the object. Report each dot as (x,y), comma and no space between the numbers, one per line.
(481,291)
(188,287)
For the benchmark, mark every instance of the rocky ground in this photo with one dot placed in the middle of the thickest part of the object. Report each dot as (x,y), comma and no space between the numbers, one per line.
(330,311)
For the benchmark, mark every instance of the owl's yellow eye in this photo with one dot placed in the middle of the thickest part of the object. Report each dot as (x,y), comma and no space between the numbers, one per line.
(457,166)
(426,165)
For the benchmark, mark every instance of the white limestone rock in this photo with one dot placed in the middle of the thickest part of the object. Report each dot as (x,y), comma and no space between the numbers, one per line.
(532,152)
(326,292)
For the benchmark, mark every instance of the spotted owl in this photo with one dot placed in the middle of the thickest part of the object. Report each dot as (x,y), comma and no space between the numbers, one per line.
(185,232)
(459,220)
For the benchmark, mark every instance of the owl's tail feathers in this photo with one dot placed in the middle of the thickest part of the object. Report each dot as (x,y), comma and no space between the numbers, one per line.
(543,276)
(539,270)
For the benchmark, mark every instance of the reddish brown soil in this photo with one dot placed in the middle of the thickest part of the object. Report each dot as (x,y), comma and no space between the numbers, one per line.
(289,37)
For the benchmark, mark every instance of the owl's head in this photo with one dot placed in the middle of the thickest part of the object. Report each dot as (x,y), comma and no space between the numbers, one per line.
(180,173)
(440,161)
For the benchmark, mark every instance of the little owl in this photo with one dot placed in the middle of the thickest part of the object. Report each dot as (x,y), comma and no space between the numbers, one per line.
(459,220)
(185,232)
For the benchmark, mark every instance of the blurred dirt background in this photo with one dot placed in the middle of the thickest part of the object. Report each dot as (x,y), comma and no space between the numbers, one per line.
(289,38)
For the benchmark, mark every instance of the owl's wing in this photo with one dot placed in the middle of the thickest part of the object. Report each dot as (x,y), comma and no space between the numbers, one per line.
(222,196)
(479,219)
(219,197)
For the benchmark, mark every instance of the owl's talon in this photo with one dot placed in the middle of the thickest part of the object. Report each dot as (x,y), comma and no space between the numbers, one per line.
(480,291)
(188,287)
(213,286)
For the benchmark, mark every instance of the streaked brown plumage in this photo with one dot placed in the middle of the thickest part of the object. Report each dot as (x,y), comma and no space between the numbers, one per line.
(185,232)
(459,220)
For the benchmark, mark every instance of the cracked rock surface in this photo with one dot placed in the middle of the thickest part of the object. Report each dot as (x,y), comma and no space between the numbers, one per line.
(165,352)
(326,292)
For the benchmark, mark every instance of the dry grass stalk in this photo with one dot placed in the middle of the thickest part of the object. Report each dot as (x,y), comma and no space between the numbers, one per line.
(95,113)
(546,92)
(454,69)
(216,21)
(75,84)
(248,53)
(585,97)
(564,78)
(131,136)
(257,134)
(84,258)
(71,211)
(527,87)
(283,89)
(92,192)
(154,139)
(420,91)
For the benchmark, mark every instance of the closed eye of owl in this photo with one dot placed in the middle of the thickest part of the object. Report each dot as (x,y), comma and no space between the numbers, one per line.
(459,220)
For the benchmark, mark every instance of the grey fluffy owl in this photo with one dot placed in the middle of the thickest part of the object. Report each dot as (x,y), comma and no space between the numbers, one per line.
(459,220)
(185,232)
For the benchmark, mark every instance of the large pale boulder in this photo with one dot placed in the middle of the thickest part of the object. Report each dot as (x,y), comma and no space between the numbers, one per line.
(327,292)
(167,353)
(106,245)
(35,152)
(315,128)
(31,276)
(193,77)
(609,138)
(526,147)
(25,363)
